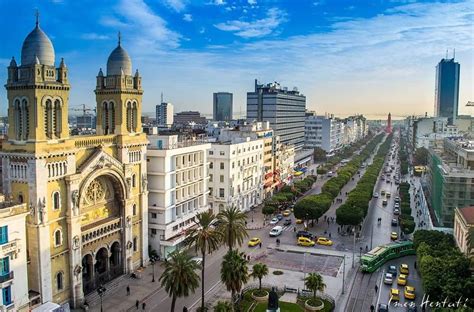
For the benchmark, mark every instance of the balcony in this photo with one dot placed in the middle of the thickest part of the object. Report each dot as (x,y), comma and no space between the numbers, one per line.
(12,246)
(94,232)
(7,277)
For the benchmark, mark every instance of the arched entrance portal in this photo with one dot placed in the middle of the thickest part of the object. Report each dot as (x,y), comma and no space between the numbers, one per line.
(102,200)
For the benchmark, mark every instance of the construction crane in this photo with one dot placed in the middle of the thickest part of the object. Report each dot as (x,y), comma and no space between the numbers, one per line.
(84,109)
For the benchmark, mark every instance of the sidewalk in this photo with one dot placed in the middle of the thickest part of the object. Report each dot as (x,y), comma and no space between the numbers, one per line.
(116,299)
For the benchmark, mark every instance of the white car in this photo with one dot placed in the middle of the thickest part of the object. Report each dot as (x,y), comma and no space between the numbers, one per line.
(376,195)
(388,279)
(274,221)
(276,231)
(198,260)
(396,211)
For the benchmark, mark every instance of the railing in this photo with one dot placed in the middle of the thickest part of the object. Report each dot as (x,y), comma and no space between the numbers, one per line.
(94,141)
(102,230)
(11,246)
(6,277)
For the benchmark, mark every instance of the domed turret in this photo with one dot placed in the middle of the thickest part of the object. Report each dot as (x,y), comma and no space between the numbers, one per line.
(37,46)
(13,62)
(119,62)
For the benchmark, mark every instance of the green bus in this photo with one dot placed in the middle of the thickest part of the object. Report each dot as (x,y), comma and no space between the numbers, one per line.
(375,258)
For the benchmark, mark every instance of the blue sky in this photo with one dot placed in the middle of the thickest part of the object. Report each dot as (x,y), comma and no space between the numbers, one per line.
(346,56)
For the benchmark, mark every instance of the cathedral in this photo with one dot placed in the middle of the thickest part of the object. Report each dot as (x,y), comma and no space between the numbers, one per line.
(87,194)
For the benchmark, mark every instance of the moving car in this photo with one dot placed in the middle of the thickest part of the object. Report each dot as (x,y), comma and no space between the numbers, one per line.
(330,174)
(392,270)
(388,194)
(402,280)
(286,213)
(274,221)
(394,236)
(382,307)
(279,216)
(304,234)
(394,294)
(394,222)
(409,292)
(304,241)
(276,231)
(324,241)
(382,192)
(388,279)
(287,222)
(384,202)
(299,221)
(254,242)
(404,268)
(376,195)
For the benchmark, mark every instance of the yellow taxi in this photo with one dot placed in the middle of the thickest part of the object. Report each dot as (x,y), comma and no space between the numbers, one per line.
(404,268)
(286,213)
(299,221)
(394,294)
(324,241)
(304,241)
(254,242)
(410,292)
(402,280)
(394,236)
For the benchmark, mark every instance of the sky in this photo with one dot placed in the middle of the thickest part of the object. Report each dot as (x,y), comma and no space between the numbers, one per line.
(366,57)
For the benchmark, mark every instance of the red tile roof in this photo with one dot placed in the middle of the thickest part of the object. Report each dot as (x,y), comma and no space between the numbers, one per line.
(468,214)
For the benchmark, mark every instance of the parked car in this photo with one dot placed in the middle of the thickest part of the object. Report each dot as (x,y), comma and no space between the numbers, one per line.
(382,307)
(396,211)
(376,195)
(299,221)
(277,230)
(198,260)
(394,236)
(274,221)
(394,222)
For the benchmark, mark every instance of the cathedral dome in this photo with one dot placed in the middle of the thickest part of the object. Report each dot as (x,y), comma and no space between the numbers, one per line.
(37,46)
(119,62)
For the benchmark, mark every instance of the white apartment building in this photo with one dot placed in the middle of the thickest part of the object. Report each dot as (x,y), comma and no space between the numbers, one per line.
(177,186)
(325,132)
(13,257)
(236,171)
(355,129)
(164,115)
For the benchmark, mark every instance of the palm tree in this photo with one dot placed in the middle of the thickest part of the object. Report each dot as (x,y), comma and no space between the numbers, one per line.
(223,306)
(259,270)
(234,271)
(314,282)
(179,277)
(205,239)
(232,226)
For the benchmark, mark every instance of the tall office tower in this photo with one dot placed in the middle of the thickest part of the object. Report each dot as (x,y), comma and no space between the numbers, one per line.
(447,89)
(285,110)
(222,106)
(389,123)
(164,114)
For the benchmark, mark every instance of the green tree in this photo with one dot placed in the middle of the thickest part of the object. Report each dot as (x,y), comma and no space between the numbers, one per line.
(421,156)
(223,306)
(232,226)
(179,278)
(234,271)
(315,283)
(205,239)
(268,209)
(319,154)
(259,270)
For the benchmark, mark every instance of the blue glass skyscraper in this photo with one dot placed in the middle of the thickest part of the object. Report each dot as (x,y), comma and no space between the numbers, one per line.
(447,89)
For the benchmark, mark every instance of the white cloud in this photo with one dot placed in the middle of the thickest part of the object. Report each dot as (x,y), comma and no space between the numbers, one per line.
(218,2)
(177,5)
(252,2)
(94,36)
(257,28)
(202,30)
(188,17)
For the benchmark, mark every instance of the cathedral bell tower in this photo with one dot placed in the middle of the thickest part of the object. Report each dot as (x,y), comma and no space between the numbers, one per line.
(119,96)
(38,93)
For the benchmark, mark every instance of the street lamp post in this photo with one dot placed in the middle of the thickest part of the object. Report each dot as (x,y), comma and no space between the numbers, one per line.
(353,247)
(101,291)
(343,272)
(153,260)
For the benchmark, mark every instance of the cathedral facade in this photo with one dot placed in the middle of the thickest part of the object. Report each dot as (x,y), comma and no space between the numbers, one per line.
(87,195)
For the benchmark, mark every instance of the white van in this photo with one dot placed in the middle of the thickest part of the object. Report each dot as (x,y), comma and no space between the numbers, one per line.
(330,174)
(276,231)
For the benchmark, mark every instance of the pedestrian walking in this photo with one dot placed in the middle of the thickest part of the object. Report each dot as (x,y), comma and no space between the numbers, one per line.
(325,217)
(376,288)
(143,306)
(329,234)
(185,309)
(415,265)
(128,290)
(372,308)
(260,245)
(248,258)
(137,304)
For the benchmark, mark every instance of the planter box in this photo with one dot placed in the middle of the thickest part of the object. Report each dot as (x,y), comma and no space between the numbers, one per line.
(311,308)
(260,299)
